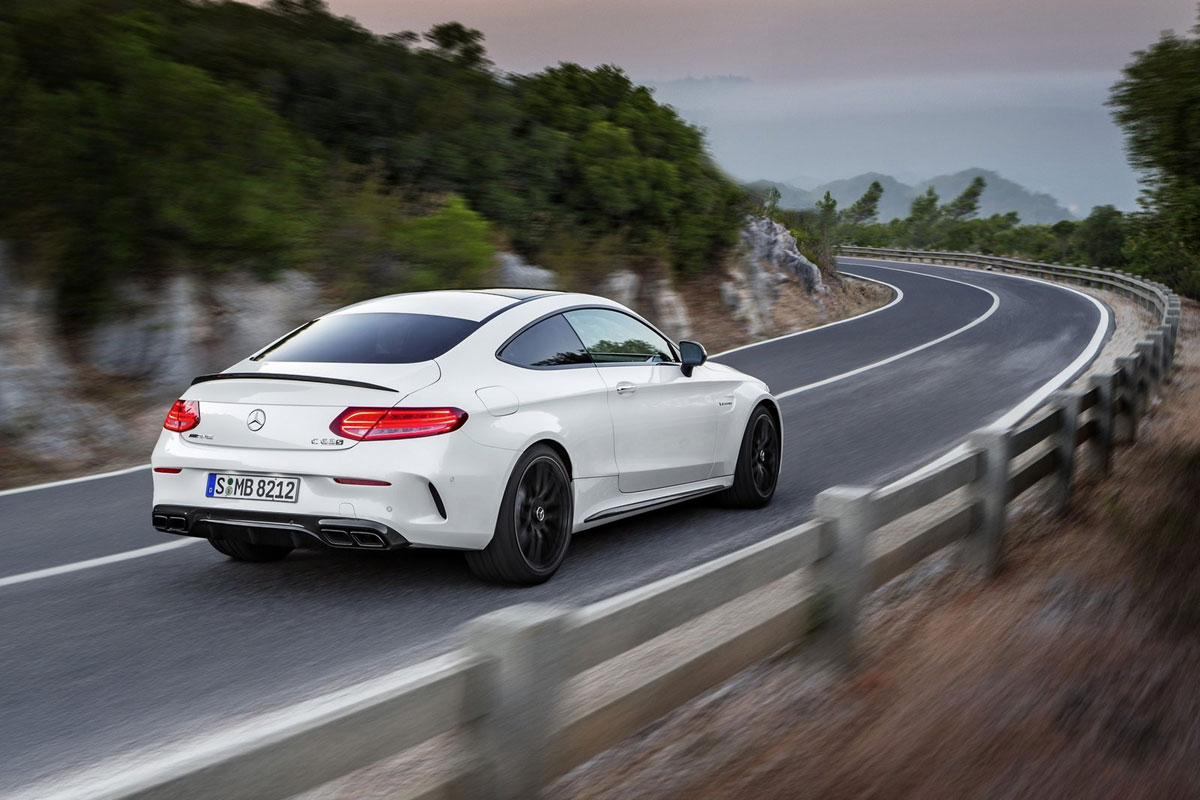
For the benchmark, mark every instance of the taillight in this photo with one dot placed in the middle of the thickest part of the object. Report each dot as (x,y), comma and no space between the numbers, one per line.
(396,423)
(183,416)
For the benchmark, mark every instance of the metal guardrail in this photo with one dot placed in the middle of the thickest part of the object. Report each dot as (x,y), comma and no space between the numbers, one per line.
(500,691)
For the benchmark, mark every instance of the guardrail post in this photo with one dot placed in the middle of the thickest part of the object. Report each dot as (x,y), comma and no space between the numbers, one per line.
(1127,369)
(1158,358)
(1102,413)
(1064,443)
(512,740)
(843,572)
(1149,370)
(990,491)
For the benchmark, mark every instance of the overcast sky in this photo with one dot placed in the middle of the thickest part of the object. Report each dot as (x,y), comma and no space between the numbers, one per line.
(908,87)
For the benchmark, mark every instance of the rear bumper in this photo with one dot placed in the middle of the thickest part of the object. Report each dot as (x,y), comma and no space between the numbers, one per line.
(276,528)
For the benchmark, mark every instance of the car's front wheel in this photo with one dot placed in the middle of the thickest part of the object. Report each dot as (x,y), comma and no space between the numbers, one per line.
(246,551)
(533,529)
(757,470)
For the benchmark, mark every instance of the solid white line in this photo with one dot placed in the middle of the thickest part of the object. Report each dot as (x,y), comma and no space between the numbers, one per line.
(68,481)
(899,296)
(835,378)
(1019,412)
(25,577)
(1030,403)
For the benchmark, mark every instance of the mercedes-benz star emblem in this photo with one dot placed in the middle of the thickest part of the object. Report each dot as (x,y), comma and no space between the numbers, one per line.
(256,420)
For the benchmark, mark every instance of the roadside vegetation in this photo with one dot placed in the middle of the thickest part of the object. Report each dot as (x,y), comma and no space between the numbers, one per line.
(142,137)
(1157,103)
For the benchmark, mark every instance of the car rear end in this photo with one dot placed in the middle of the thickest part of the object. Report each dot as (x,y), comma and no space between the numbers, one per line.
(282,452)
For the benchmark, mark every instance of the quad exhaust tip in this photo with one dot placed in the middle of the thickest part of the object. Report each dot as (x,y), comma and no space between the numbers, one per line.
(338,537)
(172,524)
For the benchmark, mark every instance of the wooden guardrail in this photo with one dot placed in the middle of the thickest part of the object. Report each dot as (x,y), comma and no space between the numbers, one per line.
(500,691)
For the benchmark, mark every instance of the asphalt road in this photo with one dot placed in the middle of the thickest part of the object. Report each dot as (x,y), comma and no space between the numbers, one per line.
(117,659)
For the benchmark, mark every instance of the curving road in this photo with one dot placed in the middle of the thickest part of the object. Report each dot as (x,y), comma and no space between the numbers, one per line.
(123,656)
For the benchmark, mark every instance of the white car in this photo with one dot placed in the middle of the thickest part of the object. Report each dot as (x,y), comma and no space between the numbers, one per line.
(498,422)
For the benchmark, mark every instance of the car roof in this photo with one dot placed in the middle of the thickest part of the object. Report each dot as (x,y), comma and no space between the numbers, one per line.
(471,304)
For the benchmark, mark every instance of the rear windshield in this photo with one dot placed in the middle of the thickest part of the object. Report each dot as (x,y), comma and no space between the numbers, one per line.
(371,339)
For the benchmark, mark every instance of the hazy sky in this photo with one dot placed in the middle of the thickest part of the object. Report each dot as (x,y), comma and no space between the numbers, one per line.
(908,87)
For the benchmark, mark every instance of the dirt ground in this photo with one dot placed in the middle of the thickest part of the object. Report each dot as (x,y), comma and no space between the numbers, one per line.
(1074,674)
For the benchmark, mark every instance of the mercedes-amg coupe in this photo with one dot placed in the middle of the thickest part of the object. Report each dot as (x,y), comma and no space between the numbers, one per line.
(497,422)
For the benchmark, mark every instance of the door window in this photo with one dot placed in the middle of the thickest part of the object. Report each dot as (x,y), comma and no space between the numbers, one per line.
(611,337)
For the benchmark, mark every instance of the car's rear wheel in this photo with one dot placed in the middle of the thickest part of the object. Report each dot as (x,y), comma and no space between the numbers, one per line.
(246,551)
(757,471)
(533,528)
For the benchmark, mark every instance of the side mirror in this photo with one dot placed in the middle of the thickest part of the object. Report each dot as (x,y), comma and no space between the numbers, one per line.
(693,355)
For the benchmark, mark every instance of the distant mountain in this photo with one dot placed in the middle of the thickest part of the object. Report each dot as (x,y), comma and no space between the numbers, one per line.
(789,196)
(1000,197)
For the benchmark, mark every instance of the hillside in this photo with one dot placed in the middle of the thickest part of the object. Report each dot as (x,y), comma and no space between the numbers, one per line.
(210,138)
(1000,197)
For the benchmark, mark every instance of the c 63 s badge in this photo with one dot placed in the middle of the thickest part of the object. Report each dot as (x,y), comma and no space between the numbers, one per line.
(329,442)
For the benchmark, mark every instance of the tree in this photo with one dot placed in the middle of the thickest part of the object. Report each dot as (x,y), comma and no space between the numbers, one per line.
(966,205)
(144,165)
(866,208)
(1100,239)
(923,217)
(460,44)
(1157,103)
(449,248)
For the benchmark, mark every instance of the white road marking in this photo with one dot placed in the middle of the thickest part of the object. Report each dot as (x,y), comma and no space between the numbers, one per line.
(1030,403)
(68,481)
(899,296)
(843,376)
(49,572)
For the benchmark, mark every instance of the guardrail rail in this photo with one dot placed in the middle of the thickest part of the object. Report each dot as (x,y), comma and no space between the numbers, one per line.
(500,690)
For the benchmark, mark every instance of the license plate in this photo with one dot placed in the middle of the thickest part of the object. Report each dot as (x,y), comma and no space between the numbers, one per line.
(250,487)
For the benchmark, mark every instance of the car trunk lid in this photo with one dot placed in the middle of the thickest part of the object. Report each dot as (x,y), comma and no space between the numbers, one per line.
(290,406)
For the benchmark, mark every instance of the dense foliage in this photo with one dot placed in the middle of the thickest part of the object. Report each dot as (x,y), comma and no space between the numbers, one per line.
(141,136)
(1158,104)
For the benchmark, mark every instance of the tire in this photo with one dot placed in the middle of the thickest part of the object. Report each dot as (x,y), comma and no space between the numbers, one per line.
(533,528)
(245,551)
(757,471)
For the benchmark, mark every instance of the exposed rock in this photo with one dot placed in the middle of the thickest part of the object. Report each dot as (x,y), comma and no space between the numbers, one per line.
(622,286)
(37,385)
(767,258)
(172,332)
(655,298)
(515,273)
(670,311)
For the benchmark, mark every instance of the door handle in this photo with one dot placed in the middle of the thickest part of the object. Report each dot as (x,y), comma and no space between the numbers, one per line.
(625,387)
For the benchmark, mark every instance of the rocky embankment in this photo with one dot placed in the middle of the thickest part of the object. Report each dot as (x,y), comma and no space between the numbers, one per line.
(96,402)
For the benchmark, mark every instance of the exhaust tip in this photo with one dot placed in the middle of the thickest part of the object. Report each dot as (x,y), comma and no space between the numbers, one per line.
(337,538)
(367,539)
(179,524)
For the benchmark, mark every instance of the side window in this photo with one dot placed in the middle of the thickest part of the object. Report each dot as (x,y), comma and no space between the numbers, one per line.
(615,338)
(549,343)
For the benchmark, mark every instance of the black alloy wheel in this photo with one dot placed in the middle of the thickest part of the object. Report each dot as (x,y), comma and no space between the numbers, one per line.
(764,451)
(533,528)
(541,527)
(757,472)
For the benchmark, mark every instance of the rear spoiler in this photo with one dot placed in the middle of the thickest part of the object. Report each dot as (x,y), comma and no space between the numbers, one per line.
(279,376)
